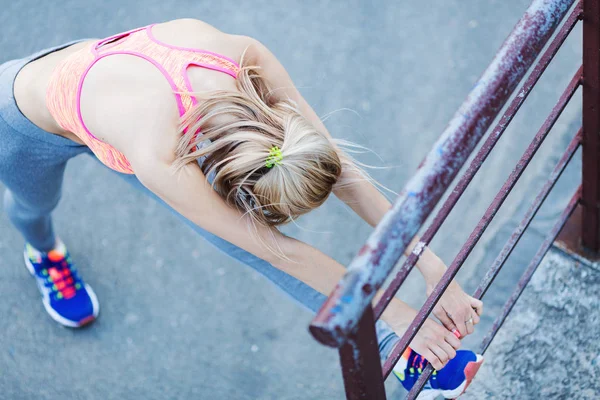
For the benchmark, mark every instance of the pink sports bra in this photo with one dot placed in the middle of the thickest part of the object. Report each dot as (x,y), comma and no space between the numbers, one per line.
(64,89)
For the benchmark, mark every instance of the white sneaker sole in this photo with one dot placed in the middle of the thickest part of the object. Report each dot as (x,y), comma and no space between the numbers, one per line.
(57,317)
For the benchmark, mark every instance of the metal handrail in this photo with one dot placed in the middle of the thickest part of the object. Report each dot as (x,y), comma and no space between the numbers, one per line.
(479,159)
(384,247)
(346,319)
(489,214)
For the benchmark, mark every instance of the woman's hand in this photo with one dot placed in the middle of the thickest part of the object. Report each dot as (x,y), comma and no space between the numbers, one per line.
(457,310)
(433,341)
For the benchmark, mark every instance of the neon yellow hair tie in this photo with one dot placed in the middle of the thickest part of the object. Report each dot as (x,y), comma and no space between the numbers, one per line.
(275,157)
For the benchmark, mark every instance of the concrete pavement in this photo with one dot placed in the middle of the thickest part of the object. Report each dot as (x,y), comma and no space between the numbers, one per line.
(181,320)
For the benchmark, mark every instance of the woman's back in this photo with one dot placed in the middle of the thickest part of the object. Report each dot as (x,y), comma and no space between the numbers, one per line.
(123,92)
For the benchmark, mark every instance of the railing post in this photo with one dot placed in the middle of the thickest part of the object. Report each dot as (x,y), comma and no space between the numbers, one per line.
(590,201)
(361,366)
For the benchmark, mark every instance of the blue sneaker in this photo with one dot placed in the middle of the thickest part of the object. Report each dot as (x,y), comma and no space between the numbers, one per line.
(449,382)
(67,299)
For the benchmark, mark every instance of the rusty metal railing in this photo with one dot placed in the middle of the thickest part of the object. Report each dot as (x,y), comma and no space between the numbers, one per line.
(346,320)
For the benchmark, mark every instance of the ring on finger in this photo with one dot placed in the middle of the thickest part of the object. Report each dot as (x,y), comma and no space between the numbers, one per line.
(470,320)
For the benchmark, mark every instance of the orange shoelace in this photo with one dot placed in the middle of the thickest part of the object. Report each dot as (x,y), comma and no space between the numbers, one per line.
(60,276)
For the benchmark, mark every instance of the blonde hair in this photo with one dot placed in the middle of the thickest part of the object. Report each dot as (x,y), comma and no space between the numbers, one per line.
(236,151)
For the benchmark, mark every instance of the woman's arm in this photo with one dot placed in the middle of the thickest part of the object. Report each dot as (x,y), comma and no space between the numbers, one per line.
(455,307)
(189,193)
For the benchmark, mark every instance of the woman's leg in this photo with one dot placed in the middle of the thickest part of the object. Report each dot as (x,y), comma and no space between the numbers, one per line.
(296,289)
(32,164)
(29,199)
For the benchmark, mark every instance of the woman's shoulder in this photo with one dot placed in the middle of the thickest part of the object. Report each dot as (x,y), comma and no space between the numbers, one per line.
(196,32)
(191,26)
(199,27)
(191,32)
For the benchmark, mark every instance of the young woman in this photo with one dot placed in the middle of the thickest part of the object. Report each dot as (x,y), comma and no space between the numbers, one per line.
(211,125)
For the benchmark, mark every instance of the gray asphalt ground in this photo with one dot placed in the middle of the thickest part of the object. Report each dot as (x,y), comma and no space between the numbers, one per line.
(181,320)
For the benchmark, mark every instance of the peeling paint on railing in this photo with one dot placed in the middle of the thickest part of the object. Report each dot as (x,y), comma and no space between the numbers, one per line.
(483,223)
(368,270)
(506,250)
(479,158)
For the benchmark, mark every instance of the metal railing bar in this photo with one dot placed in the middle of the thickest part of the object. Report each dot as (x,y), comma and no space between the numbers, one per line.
(475,235)
(361,366)
(517,233)
(528,217)
(479,159)
(371,266)
(590,162)
(530,270)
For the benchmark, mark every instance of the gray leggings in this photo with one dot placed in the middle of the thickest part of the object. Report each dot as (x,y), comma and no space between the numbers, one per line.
(32,165)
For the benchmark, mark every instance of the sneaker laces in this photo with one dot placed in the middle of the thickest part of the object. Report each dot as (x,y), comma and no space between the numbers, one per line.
(60,278)
(418,363)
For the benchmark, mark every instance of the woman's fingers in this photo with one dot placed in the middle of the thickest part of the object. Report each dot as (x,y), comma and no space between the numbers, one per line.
(449,350)
(460,322)
(452,340)
(457,311)
(441,355)
(477,305)
(433,359)
(435,343)
(475,317)
(470,325)
(441,314)
(465,322)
